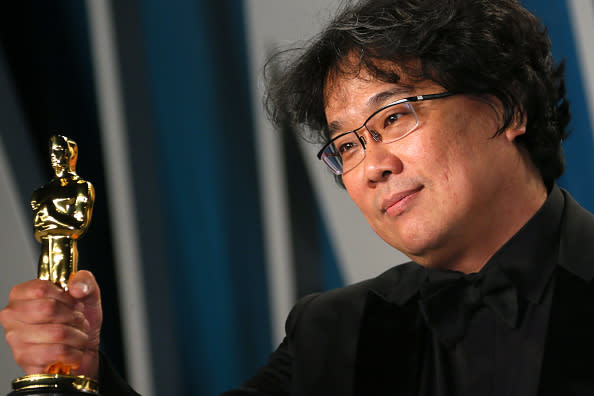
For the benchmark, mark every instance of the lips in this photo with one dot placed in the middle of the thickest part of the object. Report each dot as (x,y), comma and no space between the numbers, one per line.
(395,204)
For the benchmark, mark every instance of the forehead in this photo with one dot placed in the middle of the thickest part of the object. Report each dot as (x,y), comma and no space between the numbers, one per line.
(352,67)
(351,98)
(344,89)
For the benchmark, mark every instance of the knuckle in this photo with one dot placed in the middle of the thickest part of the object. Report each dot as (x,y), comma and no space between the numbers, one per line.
(13,293)
(79,321)
(3,315)
(12,338)
(48,307)
(39,289)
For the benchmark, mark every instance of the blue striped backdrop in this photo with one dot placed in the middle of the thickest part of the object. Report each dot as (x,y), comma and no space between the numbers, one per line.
(196,57)
(192,78)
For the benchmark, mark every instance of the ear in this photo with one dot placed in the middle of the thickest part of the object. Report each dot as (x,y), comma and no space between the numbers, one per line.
(517,128)
(513,132)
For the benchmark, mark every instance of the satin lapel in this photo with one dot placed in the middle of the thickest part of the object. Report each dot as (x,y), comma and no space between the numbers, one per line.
(568,361)
(389,349)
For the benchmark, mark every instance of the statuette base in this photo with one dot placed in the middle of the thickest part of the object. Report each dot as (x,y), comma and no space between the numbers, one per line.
(54,385)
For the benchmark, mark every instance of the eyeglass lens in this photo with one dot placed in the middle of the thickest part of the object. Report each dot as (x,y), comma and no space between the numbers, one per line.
(387,125)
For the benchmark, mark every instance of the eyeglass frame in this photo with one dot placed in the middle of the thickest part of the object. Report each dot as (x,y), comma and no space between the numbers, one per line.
(375,136)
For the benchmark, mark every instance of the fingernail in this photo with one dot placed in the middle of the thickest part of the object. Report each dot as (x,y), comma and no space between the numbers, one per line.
(83,287)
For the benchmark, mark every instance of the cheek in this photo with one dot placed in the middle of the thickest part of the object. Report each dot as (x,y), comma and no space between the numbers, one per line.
(449,154)
(352,183)
(430,157)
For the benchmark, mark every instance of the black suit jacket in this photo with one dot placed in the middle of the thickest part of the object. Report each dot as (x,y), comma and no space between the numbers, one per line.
(357,341)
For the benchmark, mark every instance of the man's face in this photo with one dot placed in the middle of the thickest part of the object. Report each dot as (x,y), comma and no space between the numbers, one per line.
(442,189)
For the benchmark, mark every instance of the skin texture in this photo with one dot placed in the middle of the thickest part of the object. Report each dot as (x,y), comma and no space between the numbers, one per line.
(450,194)
(44,324)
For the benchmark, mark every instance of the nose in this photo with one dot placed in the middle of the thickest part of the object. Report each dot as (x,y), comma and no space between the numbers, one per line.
(380,161)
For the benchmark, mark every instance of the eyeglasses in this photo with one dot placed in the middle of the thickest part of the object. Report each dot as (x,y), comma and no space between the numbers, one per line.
(390,123)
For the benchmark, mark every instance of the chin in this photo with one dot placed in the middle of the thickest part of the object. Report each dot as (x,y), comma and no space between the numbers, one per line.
(416,242)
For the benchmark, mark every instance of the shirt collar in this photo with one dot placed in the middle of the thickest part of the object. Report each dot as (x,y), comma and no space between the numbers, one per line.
(530,256)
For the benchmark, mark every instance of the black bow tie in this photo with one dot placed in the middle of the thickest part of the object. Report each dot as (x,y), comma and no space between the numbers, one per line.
(448,304)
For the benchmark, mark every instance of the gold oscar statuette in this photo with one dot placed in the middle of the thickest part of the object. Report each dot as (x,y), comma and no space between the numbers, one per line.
(62,212)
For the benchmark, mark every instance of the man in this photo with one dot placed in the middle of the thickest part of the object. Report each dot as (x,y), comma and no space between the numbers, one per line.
(444,121)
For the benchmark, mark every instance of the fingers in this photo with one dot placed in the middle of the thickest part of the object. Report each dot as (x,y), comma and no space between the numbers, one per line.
(44,324)
(37,302)
(35,358)
(44,310)
(51,333)
(37,288)
(36,346)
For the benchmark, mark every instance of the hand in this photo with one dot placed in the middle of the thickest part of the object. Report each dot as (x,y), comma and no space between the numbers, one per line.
(45,325)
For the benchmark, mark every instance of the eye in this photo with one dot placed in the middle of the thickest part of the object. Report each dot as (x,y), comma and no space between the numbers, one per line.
(346,147)
(393,117)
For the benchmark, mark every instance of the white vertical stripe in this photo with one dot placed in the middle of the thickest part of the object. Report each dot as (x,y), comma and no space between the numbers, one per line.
(19,255)
(277,239)
(120,195)
(280,273)
(19,252)
(273,192)
(582,22)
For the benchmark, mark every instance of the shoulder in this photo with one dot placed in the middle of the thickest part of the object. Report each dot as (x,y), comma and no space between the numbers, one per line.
(576,251)
(575,214)
(328,306)
(345,305)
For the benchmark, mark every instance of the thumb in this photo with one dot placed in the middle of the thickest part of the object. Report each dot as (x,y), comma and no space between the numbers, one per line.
(84,288)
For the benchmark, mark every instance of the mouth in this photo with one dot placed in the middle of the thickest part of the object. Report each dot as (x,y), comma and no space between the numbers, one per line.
(397,203)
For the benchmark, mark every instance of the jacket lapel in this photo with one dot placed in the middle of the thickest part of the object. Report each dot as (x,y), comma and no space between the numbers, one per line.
(389,350)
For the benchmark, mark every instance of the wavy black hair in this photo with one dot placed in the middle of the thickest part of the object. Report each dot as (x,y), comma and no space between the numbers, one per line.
(484,48)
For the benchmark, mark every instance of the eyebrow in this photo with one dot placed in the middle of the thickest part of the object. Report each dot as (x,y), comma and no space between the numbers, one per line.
(373,102)
(334,127)
(381,97)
